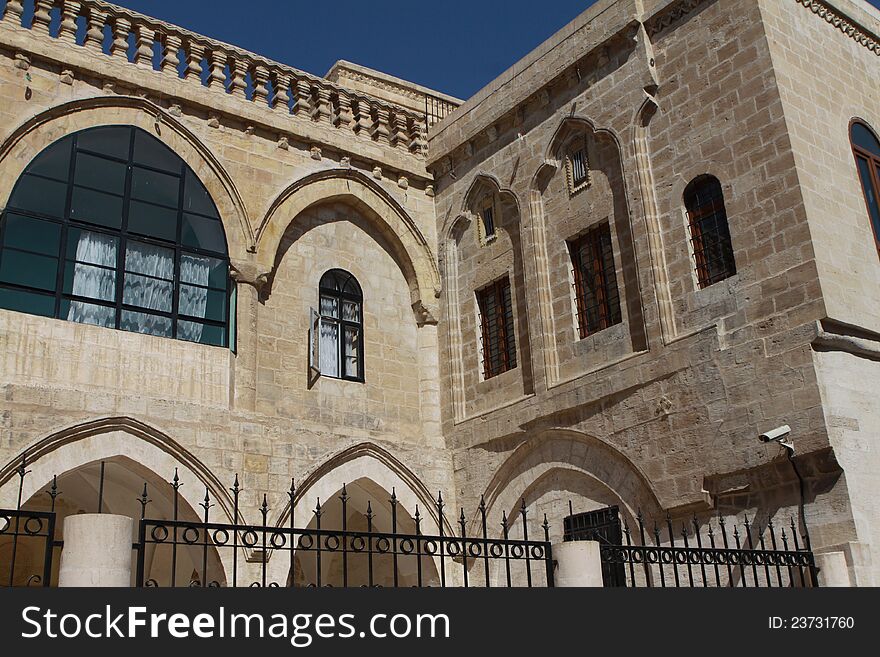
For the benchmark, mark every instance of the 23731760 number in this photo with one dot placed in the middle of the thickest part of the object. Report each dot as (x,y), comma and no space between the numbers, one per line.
(811,623)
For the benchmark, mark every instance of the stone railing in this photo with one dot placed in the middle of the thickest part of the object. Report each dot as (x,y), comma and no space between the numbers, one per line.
(132,39)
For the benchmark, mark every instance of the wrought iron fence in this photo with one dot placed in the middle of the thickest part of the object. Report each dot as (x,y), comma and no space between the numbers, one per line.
(31,533)
(366,557)
(704,555)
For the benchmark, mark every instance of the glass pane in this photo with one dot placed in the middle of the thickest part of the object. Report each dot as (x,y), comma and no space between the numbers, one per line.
(203,233)
(54,161)
(145,323)
(110,140)
(32,234)
(352,351)
(100,173)
(203,270)
(27,302)
(29,270)
(96,207)
(146,292)
(202,302)
(864,138)
(148,259)
(40,196)
(870,193)
(152,220)
(204,333)
(155,187)
(196,197)
(351,311)
(91,247)
(152,152)
(330,281)
(329,307)
(89,281)
(88,313)
(329,348)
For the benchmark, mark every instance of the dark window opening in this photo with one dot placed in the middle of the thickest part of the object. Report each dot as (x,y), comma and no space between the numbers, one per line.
(595,281)
(488,222)
(866,150)
(95,232)
(496,322)
(710,233)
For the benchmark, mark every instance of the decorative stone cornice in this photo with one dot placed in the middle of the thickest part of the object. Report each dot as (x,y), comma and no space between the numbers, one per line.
(843,23)
(670,14)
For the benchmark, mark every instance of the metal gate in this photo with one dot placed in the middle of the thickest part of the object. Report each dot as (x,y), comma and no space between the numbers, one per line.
(32,533)
(602,526)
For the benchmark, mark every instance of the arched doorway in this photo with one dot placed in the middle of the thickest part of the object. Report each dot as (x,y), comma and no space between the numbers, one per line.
(368,559)
(126,488)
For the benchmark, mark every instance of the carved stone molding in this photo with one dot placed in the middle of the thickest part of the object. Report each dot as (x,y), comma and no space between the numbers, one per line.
(670,15)
(842,23)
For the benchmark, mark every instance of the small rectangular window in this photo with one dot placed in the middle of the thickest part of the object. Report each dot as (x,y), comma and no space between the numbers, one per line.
(595,281)
(496,322)
(489,222)
(579,167)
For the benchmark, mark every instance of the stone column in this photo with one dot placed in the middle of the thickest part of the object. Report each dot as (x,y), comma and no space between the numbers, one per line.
(97,551)
(578,564)
(833,570)
(250,283)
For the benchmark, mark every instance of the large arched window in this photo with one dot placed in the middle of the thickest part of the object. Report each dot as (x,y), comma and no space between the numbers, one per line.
(866,149)
(110,227)
(341,326)
(710,234)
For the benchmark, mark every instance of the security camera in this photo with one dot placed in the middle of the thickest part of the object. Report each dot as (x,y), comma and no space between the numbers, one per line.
(776,435)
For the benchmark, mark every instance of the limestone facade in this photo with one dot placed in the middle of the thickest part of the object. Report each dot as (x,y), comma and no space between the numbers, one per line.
(659,412)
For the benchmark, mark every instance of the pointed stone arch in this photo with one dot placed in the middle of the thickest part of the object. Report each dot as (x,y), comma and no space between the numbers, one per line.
(364,460)
(29,138)
(410,248)
(571,451)
(113,437)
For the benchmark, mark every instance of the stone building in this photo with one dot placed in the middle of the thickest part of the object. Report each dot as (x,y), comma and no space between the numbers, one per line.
(597,281)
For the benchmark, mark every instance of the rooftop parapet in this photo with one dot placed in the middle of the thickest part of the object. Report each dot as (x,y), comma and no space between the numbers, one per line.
(207,67)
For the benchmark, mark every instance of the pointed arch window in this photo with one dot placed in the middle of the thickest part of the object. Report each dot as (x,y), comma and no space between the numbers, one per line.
(710,233)
(338,327)
(866,150)
(110,227)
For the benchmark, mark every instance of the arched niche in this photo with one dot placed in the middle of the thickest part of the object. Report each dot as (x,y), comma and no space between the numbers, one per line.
(563,212)
(472,260)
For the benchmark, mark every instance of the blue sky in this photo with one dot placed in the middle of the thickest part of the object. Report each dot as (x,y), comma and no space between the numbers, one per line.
(454,46)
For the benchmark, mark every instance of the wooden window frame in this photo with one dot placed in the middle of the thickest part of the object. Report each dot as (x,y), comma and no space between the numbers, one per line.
(716,209)
(874,168)
(502,314)
(601,268)
(342,295)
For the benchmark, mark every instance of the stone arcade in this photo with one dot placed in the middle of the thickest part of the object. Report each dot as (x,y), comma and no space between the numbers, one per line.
(597,281)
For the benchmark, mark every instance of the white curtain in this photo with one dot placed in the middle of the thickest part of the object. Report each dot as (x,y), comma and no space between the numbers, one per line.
(193,301)
(329,337)
(154,293)
(94,282)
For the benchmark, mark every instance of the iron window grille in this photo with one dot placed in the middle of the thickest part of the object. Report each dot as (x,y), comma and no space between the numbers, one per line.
(710,233)
(336,345)
(110,227)
(496,323)
(595,281)
(578,169)
(866,150)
